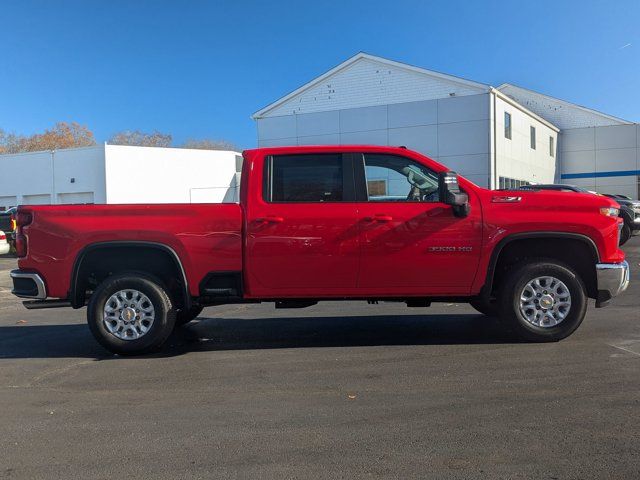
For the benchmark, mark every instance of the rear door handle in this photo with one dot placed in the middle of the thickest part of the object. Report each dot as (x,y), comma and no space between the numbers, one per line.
(270,219)
(379,218)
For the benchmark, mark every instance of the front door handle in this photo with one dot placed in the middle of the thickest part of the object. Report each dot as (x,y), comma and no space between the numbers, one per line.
(379,218)
(270,219)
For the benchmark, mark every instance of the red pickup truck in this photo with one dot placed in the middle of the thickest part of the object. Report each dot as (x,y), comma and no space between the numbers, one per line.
(326,223)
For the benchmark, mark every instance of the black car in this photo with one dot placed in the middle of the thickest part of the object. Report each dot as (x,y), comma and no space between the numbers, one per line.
(630,213)
(555,186)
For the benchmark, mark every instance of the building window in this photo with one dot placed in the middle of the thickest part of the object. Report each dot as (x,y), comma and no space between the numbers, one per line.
(532,129)
(377,188)
(552,147)
(507,125)
(506,183)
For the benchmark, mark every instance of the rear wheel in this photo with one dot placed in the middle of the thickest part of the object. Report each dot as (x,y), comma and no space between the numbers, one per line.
(625,234)
(130,314)
(542,301)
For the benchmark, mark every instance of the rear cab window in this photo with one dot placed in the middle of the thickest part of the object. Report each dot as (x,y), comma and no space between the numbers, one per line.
(308,178)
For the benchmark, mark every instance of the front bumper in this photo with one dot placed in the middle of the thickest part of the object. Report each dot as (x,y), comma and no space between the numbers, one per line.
(613,279)
(28,285)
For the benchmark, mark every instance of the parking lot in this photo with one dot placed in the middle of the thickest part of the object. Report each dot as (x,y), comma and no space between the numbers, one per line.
(338,390)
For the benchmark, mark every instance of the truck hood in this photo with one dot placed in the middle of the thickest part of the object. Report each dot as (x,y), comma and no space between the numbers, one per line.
(550,200)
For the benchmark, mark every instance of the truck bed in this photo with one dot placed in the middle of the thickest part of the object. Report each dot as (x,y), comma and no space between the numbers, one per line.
(205,237)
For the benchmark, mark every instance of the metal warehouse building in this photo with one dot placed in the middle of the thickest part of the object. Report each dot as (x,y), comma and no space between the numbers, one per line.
(496,137)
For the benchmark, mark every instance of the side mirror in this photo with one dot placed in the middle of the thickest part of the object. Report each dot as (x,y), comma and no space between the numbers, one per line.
(450,194)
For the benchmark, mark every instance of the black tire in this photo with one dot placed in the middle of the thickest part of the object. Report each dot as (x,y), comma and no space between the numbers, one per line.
(160,329)
(625,234)
(185,316)
(509,300)
(485,306)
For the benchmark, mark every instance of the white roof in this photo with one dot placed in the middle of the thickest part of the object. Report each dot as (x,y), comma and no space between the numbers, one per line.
(560,112)
(466,86)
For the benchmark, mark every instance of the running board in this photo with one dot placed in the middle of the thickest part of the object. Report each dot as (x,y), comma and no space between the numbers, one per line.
(37,304)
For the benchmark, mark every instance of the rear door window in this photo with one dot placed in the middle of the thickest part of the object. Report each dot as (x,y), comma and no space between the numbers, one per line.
(308,178)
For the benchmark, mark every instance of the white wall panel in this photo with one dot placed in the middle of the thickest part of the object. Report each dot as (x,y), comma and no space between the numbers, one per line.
(619,136)
(463,138)
(363,119)
(423,139)
(332,139)
(320,123)
(277,127)
(372,137)
(480,180)
(413,114)
(578,139)
(616,159)
(463,109)
(469,164)
(579,161)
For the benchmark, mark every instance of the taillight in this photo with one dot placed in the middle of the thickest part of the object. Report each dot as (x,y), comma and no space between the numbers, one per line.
(2,236)
(22,219)
(13,222)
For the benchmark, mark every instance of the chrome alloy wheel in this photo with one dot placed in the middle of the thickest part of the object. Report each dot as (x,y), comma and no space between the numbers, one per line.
(545,302)
(128,314)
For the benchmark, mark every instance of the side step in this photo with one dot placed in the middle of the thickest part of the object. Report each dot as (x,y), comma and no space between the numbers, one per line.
(38,304)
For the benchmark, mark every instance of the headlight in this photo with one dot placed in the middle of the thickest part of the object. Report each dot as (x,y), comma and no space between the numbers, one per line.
(609,211)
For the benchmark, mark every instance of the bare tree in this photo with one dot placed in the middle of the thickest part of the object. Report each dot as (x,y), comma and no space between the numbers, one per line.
(62,135)
(141,139)
(206,144)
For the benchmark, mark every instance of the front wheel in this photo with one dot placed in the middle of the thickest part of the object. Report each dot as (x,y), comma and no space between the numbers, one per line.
(130,314)
(542,301)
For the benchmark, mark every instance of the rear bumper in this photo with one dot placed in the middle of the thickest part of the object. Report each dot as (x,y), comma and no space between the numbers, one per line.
(28,285)
(613,279)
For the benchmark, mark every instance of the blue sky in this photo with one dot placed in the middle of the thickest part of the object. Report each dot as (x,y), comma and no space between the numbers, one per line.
(201,68)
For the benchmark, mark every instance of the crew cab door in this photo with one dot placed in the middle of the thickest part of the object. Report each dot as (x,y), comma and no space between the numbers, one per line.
(410,242)
(301,234)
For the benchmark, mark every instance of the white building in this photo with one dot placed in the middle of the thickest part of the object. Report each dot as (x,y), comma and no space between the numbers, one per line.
(496,137)
(119,174)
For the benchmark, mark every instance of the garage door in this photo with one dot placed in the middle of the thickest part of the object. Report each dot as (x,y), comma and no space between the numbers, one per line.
(75,197)
(36,199)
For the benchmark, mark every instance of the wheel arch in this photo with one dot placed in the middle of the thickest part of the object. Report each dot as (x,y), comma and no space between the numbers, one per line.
(77,290)
(503,246)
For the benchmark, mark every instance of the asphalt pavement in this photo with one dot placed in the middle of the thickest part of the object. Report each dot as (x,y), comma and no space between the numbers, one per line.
(338,390)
